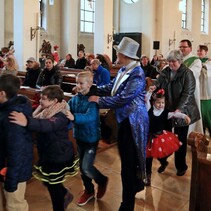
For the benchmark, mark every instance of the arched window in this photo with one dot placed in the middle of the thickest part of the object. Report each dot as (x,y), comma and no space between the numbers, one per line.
(87,16)
(183,9)
(204,16)
(41,13)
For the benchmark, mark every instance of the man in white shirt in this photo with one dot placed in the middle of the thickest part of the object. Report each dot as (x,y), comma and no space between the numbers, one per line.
(205,89)
(194,64)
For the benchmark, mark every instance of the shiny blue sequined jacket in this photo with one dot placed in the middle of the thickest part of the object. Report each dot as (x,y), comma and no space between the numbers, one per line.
(129,102)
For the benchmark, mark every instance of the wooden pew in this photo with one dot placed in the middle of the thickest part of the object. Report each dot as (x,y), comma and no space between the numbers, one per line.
(200,191)
(31,92)
(65,71)
(69,75)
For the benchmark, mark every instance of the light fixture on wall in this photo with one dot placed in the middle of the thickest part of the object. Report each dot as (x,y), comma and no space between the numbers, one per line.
(109,38)
(172,41)
(33,32)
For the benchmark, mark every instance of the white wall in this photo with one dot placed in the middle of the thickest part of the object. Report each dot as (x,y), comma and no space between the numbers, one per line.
(160,20)
(2,24)
(69,28)
(103,27)
(24,19)
(9,22)
(157,20)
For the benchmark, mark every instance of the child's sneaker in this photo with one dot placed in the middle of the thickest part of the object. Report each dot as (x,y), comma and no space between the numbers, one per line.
(85,198)
(67,199)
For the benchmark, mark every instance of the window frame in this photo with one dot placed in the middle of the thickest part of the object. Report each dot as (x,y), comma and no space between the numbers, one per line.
(87,9)
(184,14)
(204,24)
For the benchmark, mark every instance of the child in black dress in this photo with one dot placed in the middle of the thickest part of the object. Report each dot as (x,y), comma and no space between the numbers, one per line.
(162,142)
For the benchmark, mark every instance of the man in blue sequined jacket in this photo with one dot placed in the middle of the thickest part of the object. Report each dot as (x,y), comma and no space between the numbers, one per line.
(127,98)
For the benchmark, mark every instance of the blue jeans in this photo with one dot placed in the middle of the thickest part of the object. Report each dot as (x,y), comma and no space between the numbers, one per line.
(87,154)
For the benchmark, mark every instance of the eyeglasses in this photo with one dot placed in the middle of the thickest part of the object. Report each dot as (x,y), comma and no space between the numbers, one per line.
(183,46)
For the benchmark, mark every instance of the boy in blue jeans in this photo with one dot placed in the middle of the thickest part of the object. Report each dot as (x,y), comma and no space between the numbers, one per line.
(15,145)
(85,116)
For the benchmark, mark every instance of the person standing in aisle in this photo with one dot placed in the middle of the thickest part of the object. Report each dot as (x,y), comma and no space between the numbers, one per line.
(16,146)
(127,98)
(179,85)
(205,89)
(56,155)
(85,116)
(194,64)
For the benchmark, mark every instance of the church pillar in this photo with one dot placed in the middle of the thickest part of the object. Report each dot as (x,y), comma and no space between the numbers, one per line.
(70,27)
(103,37)
(25,43)
(2,19)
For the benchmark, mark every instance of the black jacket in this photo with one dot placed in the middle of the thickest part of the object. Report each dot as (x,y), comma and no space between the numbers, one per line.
(70,63)
(15,144)
(49,77)
(52,138)
(31,77)
(179,92)
(81,63)
(149,71)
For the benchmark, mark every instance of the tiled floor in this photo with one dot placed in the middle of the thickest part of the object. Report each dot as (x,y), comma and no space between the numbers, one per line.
(168,192)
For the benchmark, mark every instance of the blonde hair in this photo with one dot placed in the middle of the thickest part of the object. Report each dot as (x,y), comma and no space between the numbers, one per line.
(11,64)
(88,68)
(88,75)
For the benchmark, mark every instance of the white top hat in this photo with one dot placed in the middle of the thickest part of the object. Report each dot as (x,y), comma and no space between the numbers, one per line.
(128,47)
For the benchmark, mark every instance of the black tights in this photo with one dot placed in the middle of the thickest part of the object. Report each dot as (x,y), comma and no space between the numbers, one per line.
(57,193)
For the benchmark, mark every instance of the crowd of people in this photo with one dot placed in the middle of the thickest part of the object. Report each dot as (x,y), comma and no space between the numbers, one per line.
(177,100)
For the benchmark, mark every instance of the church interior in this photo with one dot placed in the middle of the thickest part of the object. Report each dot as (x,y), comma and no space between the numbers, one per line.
(96,26)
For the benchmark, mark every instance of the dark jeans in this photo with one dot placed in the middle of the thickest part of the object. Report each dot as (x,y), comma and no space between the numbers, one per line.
(180,154)
(129,163)
(87,153)
(57,193)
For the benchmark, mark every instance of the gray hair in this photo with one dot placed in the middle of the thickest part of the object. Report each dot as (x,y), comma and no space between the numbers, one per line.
(175,55)
(96,61)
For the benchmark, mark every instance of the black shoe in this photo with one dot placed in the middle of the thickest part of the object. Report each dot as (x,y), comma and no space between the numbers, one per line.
(102,189)
(163,167)
(181,172)
(139,185)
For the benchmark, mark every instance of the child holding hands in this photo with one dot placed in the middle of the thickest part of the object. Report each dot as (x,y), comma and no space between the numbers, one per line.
(56,156)
(162,142)
(15,146)
(85,116)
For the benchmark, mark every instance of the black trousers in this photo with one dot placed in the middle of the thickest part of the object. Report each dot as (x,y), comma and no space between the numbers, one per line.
(57,193)
(129,163)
